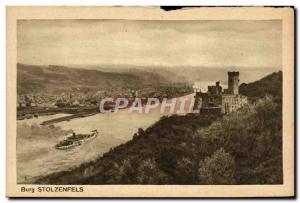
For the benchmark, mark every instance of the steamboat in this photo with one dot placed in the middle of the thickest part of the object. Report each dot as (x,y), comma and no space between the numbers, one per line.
(75,140)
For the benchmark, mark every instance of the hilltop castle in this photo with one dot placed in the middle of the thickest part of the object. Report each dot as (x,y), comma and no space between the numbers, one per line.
(217,101)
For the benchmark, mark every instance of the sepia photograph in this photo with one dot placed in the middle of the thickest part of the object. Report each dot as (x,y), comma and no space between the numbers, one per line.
(100,98)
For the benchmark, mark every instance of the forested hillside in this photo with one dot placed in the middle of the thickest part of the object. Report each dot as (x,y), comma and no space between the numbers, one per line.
(271,85)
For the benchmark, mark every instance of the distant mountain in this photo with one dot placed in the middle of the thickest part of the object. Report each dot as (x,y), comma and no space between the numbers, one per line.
(243,147)
(189,74)
(167,72)
(35,79)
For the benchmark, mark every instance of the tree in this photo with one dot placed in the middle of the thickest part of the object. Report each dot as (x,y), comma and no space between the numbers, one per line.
(217,169)
(126,172)
(149,173)
(185,171)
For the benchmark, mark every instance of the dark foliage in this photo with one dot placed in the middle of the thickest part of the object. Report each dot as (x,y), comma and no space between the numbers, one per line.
(271,85)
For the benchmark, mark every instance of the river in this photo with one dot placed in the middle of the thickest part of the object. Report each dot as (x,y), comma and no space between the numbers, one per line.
(41,158)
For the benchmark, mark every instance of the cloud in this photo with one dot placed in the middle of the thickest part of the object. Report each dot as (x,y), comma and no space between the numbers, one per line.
(168,43)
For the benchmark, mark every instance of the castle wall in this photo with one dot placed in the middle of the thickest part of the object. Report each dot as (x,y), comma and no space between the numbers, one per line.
(232,102)
(211,100)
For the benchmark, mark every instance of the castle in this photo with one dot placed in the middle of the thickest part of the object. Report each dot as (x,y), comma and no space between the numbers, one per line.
(216,101)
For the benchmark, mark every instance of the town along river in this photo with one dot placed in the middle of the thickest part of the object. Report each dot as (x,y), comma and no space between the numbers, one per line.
(37,156)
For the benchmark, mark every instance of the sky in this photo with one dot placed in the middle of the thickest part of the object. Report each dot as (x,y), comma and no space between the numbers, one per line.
(150,43)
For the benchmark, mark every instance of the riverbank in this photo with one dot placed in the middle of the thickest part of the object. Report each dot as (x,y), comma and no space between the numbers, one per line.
(30,112)
(68,118)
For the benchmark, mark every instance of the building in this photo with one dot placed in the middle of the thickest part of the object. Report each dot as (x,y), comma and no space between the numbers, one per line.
(216,101)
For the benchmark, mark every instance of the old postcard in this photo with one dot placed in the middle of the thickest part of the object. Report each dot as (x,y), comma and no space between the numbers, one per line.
(144,102)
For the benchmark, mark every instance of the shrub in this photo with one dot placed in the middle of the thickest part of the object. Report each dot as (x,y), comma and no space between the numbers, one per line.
(217,169)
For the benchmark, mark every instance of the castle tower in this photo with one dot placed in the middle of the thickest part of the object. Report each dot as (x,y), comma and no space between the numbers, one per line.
(233,82)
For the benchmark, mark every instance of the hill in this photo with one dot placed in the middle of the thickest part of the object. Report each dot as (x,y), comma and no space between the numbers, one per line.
(271,85)
(188,74)
(56,79)
(243,147)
